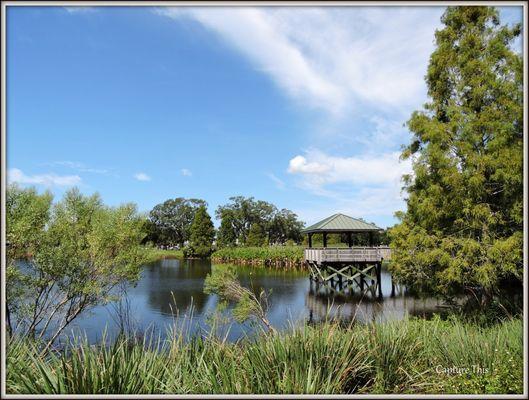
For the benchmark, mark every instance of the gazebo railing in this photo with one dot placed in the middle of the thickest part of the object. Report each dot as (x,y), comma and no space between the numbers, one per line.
(347,254)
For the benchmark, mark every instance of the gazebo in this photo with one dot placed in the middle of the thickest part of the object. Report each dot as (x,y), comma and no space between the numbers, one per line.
(341,268)
(340,223)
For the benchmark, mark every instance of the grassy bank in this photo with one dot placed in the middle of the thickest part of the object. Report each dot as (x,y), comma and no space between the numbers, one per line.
(413,356)
(154,254)
(269,256)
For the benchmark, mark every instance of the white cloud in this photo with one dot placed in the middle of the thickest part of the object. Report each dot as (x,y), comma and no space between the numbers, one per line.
(141,176)
(15,175)
(280,184)
(80,167)
(331,57)
(186,172)
(299,164)
(323,169)
(364,185)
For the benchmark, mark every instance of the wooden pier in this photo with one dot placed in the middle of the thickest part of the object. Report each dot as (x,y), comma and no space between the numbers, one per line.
(346,270)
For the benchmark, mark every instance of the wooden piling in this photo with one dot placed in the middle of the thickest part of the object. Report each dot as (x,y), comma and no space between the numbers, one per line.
(379,280)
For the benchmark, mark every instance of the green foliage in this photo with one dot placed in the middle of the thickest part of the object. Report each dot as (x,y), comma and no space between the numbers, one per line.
(401,357)
(202,234)
(27,213)
(256,236)
(463,224)
(394,348)
(170,222)
(284,227)
(77,253)
(265,254)
(153,254)
(238,216)
(223,282)
(227,236)
(322,359)
(496,351)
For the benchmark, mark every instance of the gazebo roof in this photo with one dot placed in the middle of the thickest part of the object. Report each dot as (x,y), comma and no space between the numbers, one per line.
(341,223)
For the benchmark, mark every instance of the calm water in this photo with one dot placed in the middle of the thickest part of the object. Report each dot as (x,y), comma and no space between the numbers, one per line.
(171,291)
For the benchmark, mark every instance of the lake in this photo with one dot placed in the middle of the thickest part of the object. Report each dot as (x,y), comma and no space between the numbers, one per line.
(170,291)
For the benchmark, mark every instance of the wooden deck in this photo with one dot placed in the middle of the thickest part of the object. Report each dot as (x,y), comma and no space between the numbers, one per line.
(347,254)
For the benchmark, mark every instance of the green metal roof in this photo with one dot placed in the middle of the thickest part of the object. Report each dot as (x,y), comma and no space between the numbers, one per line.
(341,223)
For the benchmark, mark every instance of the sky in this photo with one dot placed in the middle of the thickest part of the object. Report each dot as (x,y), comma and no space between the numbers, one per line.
(302,107)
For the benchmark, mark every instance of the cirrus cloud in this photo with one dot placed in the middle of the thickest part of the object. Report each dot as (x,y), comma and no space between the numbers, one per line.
(332,58)
(15,175)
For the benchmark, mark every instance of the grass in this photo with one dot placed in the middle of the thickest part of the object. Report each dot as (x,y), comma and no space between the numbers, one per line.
(271,256)
(396,357)
(154,254)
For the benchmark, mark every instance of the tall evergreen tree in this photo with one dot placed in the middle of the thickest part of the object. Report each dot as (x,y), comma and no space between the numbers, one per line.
(256,235)
(227,236)
(464,219)
(202,234)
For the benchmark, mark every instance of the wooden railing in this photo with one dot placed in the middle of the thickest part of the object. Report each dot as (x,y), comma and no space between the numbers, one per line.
(345,254)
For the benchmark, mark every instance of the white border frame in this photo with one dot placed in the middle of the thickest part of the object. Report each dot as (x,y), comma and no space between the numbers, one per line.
(6,4)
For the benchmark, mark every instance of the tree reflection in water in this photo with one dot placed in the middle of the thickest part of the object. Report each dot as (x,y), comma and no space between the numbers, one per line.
(173,287)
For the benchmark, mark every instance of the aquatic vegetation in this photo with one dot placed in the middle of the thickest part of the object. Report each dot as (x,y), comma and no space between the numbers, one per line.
(153,254)
(270,256)
(408,356)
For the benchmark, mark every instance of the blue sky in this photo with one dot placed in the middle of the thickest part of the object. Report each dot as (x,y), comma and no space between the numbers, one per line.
(302,107)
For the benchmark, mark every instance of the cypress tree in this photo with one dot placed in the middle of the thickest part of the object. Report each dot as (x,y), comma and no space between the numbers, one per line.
(464,219)
(256,235)
(202,234)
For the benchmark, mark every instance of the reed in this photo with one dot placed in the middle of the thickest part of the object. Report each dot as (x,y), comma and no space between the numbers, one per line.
(281,257)
(154,254)
(395,357)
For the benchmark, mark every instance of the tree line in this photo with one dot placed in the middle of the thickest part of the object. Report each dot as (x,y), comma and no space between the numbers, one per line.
(244,221)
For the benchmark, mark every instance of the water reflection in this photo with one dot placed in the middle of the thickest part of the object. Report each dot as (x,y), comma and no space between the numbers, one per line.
(173,283)
(171,286)
(364,311)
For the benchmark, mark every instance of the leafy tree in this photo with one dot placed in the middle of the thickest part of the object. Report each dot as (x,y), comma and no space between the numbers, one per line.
(241,213)
(285,226)
(202,234)
(227,236)
(256,236)
(66,258)
(464,219)
(26,215)
(171,220)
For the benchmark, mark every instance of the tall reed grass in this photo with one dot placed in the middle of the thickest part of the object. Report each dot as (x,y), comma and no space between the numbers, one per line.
(153,254)
(270,256)
(409,356)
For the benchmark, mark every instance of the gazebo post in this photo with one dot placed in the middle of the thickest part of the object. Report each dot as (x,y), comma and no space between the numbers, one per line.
(379,280)
(310,240)
(324,239)
(350,239)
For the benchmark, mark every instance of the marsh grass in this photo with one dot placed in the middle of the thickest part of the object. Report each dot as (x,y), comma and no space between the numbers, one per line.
(153,254)
(270,256)
(395,357)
